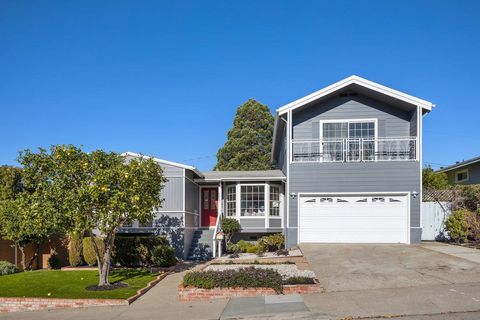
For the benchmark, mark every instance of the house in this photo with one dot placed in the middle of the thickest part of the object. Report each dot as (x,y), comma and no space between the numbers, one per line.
(347,162)
(464,172)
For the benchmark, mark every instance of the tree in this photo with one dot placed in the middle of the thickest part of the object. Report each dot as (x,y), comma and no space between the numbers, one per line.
(96,192)
(26,214)
(434,180)
(249,142)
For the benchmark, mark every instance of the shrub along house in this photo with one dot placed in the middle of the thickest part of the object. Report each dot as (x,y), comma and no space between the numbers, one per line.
(347,162)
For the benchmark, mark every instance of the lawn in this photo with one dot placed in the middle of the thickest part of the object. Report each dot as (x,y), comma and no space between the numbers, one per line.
(71,284)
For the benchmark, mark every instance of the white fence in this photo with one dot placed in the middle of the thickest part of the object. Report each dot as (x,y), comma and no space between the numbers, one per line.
(434,215)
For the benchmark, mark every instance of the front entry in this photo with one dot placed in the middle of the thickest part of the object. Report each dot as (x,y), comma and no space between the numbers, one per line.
(209,206)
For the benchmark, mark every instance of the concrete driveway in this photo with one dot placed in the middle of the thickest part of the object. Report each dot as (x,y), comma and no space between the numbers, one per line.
(345,267)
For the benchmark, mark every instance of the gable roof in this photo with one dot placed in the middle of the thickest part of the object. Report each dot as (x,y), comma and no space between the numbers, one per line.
(161,161)
(356,80)
(460,164)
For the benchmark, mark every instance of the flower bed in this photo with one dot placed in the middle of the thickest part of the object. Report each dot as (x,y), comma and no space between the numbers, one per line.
(240,280)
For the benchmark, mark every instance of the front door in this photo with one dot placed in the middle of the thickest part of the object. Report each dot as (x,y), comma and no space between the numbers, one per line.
(209,207)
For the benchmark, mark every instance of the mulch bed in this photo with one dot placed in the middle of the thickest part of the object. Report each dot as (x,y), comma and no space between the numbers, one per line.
(113,286)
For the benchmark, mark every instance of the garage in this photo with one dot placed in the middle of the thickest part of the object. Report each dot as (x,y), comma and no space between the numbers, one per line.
(378,218)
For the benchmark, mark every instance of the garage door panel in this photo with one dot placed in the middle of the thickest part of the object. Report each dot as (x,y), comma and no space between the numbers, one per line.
(343,219)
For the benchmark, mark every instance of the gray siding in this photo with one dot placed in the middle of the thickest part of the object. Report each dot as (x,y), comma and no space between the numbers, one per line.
(355,177)
(473,174)
(252,223)
(392,122)
(172,195)
(191,196)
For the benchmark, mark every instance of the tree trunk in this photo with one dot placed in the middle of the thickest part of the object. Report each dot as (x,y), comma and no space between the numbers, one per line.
(22,251)
(35,256)
(104,266)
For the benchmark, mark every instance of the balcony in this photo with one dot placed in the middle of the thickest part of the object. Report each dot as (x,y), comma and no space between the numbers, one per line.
(355,150)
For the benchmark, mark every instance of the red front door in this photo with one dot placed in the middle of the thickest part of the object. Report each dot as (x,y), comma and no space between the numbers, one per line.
(209,207)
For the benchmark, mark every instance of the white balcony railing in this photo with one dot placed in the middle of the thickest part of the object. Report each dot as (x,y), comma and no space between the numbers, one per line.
(355,150)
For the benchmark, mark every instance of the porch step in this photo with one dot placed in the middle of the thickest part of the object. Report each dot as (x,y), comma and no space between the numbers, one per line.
(201,246)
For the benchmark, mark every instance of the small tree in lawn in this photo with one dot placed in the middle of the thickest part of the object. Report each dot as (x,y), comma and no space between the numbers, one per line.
(249,142)
(99,192)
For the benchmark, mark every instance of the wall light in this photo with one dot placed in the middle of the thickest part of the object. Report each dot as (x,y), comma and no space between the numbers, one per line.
(293,195)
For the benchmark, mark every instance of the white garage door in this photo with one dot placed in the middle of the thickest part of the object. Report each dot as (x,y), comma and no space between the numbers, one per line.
(353,219)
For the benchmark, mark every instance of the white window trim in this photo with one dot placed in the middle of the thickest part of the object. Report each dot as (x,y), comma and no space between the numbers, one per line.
(374,120)
(228,188)
(279,200)
(462,171)
(239,199)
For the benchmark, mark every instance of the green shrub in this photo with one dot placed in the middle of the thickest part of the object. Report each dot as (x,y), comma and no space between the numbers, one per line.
(272,242)
(89,251)
(230,226)
(7,268)
(75,250)
(457,225)
(470,197)
(133,251)
(54,263)
(250,277)
(163,256)
(299,280)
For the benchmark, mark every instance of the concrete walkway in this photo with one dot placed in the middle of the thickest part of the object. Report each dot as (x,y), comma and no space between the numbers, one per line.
(469,254)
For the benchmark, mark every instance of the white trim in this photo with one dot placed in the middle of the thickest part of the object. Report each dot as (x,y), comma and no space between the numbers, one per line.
(170,163)
(361,82)
(184,195)
(370,193)
(242,179)
(462,171)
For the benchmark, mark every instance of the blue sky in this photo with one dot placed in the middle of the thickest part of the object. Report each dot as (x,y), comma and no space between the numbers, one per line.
(165,78)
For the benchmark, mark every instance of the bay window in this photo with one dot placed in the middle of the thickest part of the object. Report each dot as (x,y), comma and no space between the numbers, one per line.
(252,200)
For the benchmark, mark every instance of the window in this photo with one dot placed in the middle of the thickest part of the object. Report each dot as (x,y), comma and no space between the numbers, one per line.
(274,201)
(205,199)
(461,176)
(252,200)
(213,202)
(360,135)
(231,201)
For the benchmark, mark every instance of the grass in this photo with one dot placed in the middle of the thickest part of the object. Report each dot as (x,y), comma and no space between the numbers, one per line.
(71,284)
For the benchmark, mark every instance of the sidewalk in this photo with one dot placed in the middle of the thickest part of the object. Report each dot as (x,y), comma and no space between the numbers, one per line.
(469,254)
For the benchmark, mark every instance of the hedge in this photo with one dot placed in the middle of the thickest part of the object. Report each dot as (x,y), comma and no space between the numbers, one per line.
(135,251)
(250,277)
(89,251)
(75,250)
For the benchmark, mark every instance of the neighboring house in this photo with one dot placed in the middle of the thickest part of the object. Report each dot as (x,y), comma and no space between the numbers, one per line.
(348,170)
(465,172)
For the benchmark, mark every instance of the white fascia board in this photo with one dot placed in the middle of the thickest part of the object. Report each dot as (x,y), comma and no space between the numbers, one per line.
(361,82)
(243,179)
(170,163)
